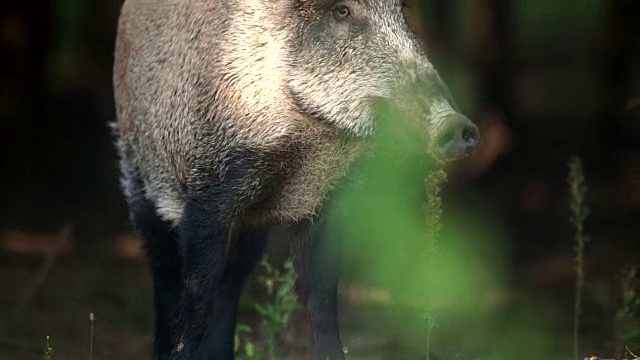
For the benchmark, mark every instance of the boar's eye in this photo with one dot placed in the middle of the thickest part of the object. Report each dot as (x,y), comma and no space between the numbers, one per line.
(342,11)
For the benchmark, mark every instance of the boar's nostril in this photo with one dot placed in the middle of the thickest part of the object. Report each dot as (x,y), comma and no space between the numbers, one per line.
(458,138)
(470,136)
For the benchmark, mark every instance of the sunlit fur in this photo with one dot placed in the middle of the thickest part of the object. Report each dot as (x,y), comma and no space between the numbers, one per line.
(197,81)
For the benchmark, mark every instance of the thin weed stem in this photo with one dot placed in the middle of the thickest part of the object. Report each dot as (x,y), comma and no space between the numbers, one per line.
(91,318)
(48,350)
(433,186)
(579,212)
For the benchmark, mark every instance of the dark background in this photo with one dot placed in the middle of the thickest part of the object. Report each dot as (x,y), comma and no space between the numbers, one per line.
(543,79)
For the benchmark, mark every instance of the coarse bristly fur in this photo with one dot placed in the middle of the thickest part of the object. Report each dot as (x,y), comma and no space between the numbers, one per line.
(271,98)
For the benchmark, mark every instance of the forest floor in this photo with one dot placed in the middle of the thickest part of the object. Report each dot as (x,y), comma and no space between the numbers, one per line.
(48,289)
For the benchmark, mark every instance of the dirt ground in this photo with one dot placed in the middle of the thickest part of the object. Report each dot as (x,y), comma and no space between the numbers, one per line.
(48,289)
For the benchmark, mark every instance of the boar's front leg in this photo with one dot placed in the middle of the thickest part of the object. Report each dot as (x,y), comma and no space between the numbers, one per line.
(204,238)
(211,280)
(317,260)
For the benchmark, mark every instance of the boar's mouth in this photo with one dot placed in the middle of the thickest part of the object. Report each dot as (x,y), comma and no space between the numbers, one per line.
(351,132)
(303,108)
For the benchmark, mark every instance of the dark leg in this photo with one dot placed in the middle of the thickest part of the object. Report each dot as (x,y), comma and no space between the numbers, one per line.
(245,252)
(164,257)
(204,236)
(317,259)
(204,231)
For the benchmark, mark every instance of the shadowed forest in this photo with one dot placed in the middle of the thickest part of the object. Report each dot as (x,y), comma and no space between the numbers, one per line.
(545,81)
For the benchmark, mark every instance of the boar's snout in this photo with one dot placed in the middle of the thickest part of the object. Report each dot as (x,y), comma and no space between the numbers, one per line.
(457,137)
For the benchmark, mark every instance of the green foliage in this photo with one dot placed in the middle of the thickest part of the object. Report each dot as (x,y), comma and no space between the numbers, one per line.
(446,261)
(243,347)
(274,315)
(277,314)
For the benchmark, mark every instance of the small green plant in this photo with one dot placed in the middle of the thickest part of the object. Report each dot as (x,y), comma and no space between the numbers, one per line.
(277,314)
(274,315)
(628,314)
(579,212)
(48,350)
(243,347)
